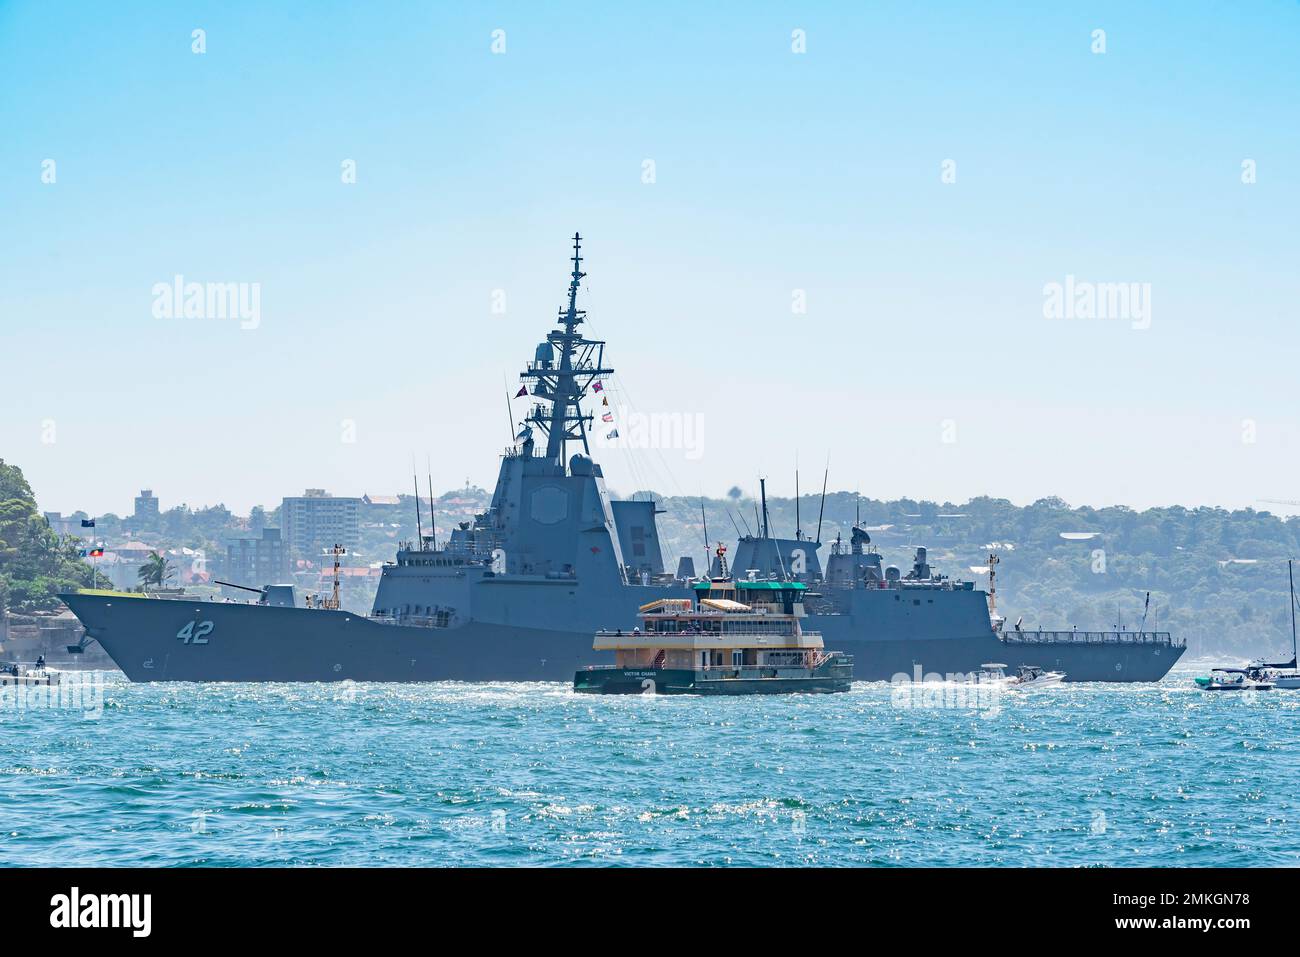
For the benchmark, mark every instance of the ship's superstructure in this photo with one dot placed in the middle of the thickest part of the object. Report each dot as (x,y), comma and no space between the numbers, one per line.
(517,593)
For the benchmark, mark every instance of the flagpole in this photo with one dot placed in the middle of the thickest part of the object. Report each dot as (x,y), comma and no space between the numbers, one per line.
(94,547)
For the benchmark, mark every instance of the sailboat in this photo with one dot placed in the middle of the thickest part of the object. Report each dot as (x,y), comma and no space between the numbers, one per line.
(1281,674)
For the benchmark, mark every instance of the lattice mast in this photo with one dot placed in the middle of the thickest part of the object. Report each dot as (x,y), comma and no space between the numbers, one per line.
(566,367)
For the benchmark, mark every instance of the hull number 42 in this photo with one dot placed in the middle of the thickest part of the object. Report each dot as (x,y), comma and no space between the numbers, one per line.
(195,632)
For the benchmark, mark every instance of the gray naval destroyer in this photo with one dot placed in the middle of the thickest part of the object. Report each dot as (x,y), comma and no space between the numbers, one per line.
(516,594)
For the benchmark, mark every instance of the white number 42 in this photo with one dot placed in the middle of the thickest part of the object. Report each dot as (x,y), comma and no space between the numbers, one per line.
(195,632)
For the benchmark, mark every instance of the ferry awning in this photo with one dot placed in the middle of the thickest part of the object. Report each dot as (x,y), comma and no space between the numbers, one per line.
(723,604)
(666,604)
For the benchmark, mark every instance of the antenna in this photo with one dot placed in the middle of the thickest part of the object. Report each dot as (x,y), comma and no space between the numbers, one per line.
(705,519)
(510,412)
(577,274)
(762,486)
(822,511)
(419,527)
(433,523)
(733,522)
(798,530)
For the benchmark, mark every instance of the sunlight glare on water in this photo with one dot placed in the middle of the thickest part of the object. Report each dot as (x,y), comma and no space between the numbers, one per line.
(532,774)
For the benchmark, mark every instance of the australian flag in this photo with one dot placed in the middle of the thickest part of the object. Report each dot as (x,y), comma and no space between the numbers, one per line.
(87,523)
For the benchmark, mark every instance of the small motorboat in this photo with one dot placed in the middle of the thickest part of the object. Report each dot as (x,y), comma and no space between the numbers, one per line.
(16,676)
(1231,679)
(991,673)
(1032,676)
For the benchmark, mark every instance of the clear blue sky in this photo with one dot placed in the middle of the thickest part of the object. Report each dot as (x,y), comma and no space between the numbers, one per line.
(775,172)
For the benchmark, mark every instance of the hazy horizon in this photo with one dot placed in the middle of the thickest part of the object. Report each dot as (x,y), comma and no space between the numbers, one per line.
(775,493)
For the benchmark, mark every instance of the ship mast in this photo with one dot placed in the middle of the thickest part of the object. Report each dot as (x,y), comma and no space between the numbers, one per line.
(565,367)
(333,601)
(993,587)
(1290,577)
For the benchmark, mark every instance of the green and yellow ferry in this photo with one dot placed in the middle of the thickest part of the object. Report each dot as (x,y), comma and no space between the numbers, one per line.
(732,637)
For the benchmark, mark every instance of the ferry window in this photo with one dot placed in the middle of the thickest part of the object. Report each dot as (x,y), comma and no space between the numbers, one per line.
(916,601)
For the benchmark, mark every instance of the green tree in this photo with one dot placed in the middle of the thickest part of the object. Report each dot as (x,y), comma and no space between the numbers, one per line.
(35,563)
(155,570)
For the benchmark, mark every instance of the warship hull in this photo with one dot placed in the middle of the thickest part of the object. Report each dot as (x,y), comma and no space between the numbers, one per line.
(154,640)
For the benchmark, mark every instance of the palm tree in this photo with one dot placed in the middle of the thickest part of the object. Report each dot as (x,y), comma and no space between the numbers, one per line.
(155,570)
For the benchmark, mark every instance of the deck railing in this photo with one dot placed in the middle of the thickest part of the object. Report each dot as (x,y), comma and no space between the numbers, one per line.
(1161,638)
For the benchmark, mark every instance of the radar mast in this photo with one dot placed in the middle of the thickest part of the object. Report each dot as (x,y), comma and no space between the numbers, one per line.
(565,367)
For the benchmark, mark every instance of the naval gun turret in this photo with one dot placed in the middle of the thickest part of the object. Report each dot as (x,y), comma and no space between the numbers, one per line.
(920,567)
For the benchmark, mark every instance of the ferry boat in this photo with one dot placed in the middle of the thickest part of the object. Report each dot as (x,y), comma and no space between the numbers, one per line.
(732,637)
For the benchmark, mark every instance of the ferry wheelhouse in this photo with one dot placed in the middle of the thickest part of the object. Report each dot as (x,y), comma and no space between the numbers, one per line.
(732,637)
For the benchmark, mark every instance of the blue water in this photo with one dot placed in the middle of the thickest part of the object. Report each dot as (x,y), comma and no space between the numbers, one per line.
(510,774)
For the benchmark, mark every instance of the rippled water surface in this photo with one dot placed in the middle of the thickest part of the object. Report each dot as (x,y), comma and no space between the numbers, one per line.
(181,774)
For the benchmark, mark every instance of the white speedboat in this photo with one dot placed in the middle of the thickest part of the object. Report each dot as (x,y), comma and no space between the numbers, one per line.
(1031,676)
(991,673)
